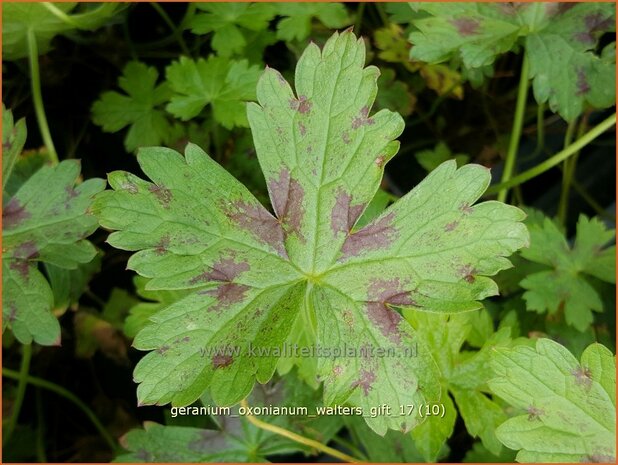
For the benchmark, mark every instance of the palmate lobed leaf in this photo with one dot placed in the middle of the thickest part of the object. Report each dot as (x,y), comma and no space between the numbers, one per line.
(568,407)
(559,38)
(254,275)
(45,221)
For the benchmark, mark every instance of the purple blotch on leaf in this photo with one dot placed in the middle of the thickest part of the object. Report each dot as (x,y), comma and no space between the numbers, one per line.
(582,83)
(260,223)
(162,245)
(161,350)
(302,129)
(466,26)
(378,234)
(593,23)
(467,272)
(344,215)
(450,226)
(362,119)
(365,381)
(381,294)
(222,360)
(583,376)
(301,104)
(534,413)
(13,214)
(224,271)
(163,195)
(287,197)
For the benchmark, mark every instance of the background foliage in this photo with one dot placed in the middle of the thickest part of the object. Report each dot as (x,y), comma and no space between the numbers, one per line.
(526,90)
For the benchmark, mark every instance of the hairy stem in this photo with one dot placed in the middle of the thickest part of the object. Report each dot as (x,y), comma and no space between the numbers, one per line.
(37,97)
(67,395)
(518,122)
(572,149)
(26,355)
(175,31)
(298,438)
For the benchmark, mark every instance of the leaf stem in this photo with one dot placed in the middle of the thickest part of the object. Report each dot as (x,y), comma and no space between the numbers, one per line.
(298,438)
(37,97)
(40,430)
(175,31)
(26,356)
(61,15)
(518,122)
(568,170)
(67,395)
(572,149)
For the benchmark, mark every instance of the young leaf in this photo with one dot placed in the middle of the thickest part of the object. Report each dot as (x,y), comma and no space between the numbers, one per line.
(568,408)
(13,140)
(139,108)
(230,23)
(253,274)
(45,221)
(297,17)
(224,84)
(560,40)
(564,285)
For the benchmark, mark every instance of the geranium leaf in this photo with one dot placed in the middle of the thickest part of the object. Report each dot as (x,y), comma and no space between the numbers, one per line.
(546,382)
(297,17)
(45,221)
(564,284)
(222,83)
(254,276)
(140,108)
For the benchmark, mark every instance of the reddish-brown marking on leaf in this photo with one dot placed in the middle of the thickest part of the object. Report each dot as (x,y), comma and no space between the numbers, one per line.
(27,250)
(225,270)
(451,226)
(599,458)
(162,245)
(582,83)
(161,350)
(378,234)
(468,272)
(344,215)
(13,214)
(143,454)
(345,136)
(365,381)
(595,22)
(163,195)
(380,160)
(22,267)
(226,295)
(130,187)
(260,223)
(337,370)
(287,197)
(301,104)
(302,129)
(381,294)
(71,193)
(222,361)
(583,376)
(362,119)
(466,26)
(465,208)
(12,313)
(534,413)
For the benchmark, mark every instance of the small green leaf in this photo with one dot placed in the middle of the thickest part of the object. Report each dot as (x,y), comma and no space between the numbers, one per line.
(251,276)
(564,285)
(45,221)
(568,411)
(297,17)
(394,93)
(139,109)
(224,84)
(230,23)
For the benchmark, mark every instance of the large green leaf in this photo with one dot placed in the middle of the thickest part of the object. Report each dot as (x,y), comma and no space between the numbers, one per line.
(559,39)
(568,408)
(254,276)
(297,18)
